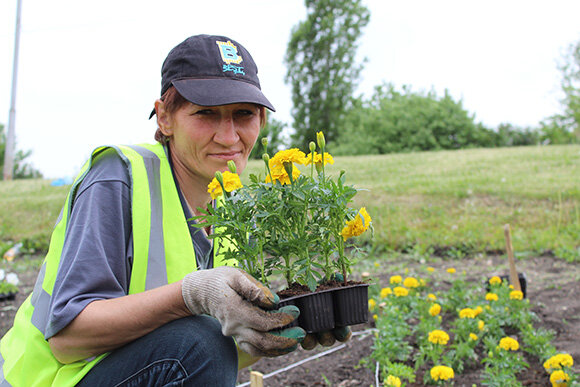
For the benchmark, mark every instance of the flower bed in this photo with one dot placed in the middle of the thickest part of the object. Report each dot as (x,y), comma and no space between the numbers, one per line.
(433,328)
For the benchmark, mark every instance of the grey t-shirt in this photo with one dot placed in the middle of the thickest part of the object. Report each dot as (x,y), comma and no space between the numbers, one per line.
(96,259)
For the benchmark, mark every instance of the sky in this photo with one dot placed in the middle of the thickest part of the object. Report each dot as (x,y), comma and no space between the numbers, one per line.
(89,72)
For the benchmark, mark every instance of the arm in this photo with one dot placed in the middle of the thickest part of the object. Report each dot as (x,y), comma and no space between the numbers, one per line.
(108,324)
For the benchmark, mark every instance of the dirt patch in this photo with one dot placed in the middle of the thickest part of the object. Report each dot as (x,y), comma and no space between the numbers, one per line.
(553,287)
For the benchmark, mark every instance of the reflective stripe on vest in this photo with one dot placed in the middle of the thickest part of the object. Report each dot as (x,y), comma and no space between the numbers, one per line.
(161,240)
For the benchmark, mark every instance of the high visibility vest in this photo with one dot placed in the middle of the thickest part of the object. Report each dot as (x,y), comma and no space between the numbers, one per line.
(161,240)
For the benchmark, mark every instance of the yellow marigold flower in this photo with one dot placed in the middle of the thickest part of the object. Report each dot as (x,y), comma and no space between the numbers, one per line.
(558,361)
(480,325)
(280,174)
(473,336)
(478,310)
(451,270)
(430,269)
(495,280)
(411,282)
(293,155)
(393,381)
(385,292)
(231,182)
(358,225)
(442,373)
(509,344)
(438,337)
(377,264)
(432,297)
(516,295)
(318,158)
(559,379)
(375,317)
(395,279)
(401,291)
(435,309)
(372,304)
(491,297)
(467,313)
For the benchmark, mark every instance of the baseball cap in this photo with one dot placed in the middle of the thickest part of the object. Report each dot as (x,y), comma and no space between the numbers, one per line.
(210,70)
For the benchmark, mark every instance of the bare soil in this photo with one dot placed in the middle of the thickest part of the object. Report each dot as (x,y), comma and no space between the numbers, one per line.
(553,288)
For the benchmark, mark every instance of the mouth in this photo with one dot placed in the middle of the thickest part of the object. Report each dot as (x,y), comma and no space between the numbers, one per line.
(230,155)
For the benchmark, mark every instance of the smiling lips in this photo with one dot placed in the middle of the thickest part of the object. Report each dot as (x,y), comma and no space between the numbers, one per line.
(226,155)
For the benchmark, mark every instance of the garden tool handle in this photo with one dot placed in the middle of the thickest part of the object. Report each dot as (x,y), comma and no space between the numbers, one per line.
(514,279)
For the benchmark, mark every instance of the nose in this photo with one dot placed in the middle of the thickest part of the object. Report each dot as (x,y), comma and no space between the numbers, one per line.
(226,133)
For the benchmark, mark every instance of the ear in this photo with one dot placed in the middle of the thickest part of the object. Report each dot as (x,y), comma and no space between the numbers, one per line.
(163,118)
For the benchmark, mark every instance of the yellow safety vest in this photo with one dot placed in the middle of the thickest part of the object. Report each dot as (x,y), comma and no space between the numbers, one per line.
(161,239)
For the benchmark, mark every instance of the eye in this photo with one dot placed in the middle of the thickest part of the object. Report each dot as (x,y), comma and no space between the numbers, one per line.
(203,112)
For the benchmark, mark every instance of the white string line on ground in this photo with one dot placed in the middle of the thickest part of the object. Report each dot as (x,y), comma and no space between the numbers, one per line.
(364,334)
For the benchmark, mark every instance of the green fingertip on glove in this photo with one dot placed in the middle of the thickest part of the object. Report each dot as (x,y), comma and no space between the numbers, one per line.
(296,333)
(288,309)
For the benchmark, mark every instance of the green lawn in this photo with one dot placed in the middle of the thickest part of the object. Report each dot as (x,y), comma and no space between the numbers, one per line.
(449,202)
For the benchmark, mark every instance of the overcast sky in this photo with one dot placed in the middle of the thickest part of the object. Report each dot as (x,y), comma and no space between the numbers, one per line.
(89,71)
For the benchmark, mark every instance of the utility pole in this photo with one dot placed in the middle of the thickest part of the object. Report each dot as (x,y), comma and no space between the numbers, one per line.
(10,141)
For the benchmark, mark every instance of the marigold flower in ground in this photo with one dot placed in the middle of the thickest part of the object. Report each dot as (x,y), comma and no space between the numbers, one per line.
(467,313)
(509,344)
(411,282)
(372,304)
(396,279)
(480,325)
(438,336)
(358,225)
(385,292)
(491,297)
(442,373)
(559,379)
(516,295)
(432,297)
(435,309)
(558,361)
(495,280)
(430,269)
(401,291)
(451,270)
(231,182)
(473,336)
(393,381)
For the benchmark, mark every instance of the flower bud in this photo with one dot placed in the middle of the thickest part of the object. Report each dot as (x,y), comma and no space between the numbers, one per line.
(320,140)
(312,146)
(265,141)
(266,158)
(219,177)
(232,166)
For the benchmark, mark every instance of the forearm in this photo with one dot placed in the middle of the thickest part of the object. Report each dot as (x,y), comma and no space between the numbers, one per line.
(105,325)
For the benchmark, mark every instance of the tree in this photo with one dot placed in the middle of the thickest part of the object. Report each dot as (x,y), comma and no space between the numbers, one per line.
(21,169)
(273,132)
(321,66)
(396,121)
(570,68)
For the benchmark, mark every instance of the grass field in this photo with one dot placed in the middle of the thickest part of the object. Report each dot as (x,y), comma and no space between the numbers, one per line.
(453,203)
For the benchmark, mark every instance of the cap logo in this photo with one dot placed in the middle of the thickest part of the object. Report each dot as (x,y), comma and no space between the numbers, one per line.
(229,54)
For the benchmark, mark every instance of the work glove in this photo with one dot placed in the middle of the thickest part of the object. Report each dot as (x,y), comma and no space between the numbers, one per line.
(327,338)
(245,309)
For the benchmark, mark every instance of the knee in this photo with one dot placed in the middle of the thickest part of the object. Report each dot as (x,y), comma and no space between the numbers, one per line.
(206,349)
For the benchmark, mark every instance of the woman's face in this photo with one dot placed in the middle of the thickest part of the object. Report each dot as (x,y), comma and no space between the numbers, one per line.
(204,139)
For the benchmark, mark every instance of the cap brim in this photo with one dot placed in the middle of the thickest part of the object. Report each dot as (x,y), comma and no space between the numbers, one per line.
(214,92)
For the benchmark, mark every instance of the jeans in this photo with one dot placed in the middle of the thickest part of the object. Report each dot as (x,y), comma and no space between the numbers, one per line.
(187,352)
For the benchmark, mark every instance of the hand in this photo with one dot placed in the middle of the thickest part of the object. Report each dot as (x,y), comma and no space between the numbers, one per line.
(327,338)
(245,309)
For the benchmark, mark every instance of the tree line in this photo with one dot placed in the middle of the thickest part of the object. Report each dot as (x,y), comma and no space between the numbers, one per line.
(323,74)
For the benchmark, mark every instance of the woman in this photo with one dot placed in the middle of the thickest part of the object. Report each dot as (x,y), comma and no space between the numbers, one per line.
(130,293)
